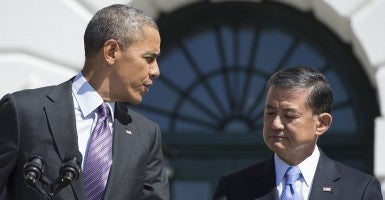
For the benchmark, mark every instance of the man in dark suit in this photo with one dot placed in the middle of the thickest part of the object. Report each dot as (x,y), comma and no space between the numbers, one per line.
(297,111)
(121,47)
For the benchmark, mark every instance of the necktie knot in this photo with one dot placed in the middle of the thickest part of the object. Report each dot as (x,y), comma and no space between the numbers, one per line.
(289,192)
(103,111)
(292,174)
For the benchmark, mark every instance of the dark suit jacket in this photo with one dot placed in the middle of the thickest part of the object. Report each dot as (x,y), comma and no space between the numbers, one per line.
(43,120)
(258,182)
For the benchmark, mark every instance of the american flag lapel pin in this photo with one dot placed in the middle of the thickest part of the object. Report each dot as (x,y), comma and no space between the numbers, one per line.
(128,132)
(326,189)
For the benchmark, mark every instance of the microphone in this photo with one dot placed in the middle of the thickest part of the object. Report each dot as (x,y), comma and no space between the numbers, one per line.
(33,169)
(69,171)
(33,173)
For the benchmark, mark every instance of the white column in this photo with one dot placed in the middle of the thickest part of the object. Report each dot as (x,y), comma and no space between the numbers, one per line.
(379,132)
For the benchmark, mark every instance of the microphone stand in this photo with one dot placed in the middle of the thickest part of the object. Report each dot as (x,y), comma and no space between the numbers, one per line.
(33,174)
(69,172)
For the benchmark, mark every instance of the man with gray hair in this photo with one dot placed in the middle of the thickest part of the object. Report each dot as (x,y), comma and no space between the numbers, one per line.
(47,131)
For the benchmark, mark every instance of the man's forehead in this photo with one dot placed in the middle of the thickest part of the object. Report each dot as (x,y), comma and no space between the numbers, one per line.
(290,90)
(287,106)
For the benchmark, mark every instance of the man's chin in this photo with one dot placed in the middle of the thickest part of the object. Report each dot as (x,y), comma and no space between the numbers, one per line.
(135,101)
(277,146)
(130,100)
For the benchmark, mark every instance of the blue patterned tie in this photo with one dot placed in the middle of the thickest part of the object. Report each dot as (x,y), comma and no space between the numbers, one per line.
(289,193)
(98,157)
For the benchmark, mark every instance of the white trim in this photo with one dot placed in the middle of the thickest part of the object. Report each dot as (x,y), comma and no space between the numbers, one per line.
(357,22)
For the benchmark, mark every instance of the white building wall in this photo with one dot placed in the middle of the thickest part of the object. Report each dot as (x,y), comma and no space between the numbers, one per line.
(41,41)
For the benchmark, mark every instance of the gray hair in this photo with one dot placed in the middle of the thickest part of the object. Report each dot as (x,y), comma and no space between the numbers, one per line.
(320,98)
(120,22)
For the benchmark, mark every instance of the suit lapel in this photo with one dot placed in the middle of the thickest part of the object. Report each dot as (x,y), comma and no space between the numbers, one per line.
(124,140)
(61,120)
(326,180)
(265,180)
(254,182)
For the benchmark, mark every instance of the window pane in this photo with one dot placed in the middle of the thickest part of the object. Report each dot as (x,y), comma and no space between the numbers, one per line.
(191,190)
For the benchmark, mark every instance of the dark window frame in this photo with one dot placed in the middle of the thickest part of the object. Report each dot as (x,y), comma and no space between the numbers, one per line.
(180,24)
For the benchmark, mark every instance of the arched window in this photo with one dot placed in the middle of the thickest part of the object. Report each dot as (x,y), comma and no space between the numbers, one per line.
(216,59)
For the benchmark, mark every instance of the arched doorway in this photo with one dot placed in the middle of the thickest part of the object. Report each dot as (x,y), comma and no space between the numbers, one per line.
(216,59)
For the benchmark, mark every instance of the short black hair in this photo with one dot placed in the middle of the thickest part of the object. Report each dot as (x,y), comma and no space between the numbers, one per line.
(120,22)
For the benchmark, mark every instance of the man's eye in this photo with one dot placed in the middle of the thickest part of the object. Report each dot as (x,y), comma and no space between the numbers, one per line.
(290,116)
(150,59)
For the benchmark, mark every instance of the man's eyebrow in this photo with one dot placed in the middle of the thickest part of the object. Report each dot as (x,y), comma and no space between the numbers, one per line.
(288,109)
(293,110)
(152,54)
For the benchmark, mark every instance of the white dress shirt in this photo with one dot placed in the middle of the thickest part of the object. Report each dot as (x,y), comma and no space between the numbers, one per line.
(86,101)
(307,167)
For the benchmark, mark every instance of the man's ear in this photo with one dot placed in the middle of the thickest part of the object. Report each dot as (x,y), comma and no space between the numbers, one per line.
(110,48)
(324,122)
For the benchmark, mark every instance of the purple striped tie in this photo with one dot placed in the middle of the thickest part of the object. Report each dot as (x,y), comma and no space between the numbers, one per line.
(98,157)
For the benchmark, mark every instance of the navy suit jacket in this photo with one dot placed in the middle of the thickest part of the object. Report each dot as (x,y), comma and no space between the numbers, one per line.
(43,120)
(258,182)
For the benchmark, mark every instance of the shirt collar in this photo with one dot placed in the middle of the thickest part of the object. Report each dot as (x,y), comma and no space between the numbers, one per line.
(86,96)
(307,167)
(280,168)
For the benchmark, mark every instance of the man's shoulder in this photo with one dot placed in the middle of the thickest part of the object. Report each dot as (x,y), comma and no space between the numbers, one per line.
(44,90)
(345,171)
(263,168)
(32,91)
(352,182)
(250,182)
(352,173)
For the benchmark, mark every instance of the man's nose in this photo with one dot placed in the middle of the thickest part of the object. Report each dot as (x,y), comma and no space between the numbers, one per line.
(154,70)
(277,123)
